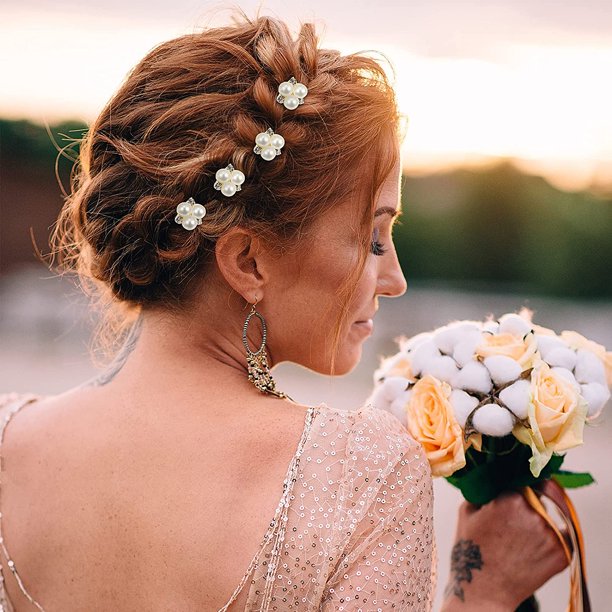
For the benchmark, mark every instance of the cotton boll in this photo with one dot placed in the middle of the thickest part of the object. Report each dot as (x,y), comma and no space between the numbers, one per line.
(491,326)
(443,368)
(547,344)
(390,363)
(463,403)
(428,363)
(398,407)
(473,377)
(516,398)
(446,338)
(469,326)
(412,343)
(422,355)
(514,324)
(562,357)
(597,395)
(378,398)
(493,420)
(502,369)
(393,387)
(589,368)
(568,375)
(466,347)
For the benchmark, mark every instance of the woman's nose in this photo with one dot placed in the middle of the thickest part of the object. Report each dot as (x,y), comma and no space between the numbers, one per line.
(391,280)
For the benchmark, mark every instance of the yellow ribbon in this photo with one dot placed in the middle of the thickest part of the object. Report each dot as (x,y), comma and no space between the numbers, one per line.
(578,596)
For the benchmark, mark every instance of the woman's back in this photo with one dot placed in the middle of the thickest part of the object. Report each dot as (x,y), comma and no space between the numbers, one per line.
(129,505)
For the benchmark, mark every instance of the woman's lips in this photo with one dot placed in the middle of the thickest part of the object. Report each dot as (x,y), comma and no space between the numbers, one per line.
(365,325)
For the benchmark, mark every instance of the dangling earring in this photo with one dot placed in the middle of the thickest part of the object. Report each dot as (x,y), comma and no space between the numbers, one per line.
(259,371)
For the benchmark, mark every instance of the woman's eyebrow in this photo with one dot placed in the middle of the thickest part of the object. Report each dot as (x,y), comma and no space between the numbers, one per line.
(394,212)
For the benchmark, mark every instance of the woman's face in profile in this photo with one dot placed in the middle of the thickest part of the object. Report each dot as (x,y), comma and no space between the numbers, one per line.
(304,303)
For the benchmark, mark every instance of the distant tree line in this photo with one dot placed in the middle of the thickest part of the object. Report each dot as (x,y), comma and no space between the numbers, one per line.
(495,228)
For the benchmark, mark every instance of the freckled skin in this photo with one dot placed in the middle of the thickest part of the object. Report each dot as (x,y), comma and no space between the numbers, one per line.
(148,457)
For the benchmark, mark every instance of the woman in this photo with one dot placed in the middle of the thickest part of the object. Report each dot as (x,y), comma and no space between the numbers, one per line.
(182,479)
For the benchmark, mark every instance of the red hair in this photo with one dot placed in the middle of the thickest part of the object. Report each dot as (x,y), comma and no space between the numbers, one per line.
(193,105)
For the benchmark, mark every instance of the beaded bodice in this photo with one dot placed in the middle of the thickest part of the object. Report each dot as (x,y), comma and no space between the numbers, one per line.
(353,529)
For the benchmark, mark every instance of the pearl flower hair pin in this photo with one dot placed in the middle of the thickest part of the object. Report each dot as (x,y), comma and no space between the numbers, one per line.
(189,214)
(268,144)
(291,93)
(228,180)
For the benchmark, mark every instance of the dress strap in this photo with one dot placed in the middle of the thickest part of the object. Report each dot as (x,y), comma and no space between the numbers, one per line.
(276,529)
(9,405)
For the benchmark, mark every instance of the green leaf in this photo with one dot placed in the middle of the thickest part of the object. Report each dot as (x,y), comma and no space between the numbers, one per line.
(494,473)
(572,480)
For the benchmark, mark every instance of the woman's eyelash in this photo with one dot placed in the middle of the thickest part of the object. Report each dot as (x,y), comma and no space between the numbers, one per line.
(377,247)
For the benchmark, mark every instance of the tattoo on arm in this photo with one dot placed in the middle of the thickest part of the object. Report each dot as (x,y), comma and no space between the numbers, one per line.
(121,358)
(465,557)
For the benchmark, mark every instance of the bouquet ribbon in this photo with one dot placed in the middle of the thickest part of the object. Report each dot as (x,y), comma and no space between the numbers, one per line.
(579,595)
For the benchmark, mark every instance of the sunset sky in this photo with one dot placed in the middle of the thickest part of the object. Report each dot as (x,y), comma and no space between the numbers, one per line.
(529,80)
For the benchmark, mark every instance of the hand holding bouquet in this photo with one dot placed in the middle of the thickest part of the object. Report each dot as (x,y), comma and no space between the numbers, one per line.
(495,403)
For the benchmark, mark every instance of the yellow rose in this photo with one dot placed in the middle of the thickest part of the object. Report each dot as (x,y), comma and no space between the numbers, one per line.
(431,422)
(522,351)
(556,415)
(577,341)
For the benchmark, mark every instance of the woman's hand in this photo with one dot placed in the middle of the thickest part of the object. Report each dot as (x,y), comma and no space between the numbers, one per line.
(504,551)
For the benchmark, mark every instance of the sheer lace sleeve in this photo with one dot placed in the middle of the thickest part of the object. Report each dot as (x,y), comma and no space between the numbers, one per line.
(389,559)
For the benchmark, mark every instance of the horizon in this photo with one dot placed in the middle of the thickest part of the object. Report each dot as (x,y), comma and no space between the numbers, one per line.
(480,85)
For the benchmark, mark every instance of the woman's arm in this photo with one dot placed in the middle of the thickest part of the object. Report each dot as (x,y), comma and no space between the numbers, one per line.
(503,553)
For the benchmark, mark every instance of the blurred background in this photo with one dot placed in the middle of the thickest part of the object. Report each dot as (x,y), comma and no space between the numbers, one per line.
(507,189)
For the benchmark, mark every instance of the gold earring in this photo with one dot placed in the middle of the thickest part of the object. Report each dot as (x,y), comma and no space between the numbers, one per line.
(259,371)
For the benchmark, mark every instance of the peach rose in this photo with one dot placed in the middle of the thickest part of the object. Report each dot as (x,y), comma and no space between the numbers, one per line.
(577,341)
(522,351)
(556,415)
(431,422)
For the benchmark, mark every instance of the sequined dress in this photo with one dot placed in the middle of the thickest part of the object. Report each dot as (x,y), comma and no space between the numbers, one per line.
(353,529)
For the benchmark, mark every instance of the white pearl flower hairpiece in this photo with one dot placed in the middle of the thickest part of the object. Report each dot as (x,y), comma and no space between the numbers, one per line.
(228,180)
(189,214)
(268,144)
(291,93)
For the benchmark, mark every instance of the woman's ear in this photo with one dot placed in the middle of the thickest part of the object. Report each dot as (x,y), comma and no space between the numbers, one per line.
(242,262)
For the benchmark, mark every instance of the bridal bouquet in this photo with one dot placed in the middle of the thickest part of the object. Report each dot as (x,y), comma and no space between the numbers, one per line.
(495,404)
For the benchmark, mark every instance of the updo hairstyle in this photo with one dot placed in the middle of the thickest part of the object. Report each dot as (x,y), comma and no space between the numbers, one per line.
(193,105)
